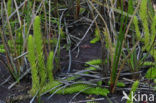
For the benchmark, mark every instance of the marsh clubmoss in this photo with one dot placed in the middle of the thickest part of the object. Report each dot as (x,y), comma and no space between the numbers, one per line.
(143,16)
(9,3)
(151,73)
(138,34)
(39,70)
(149,35)
(94,62)
(148,63)
(50,67)
(97,36)
(153,31)
(92,68)
(155,84)
(133,90)
(34,69)
(39,49)
(2,50)
(76,88)
(130,7)
(19,43)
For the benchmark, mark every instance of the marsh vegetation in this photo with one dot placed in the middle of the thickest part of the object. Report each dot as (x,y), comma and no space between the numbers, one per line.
(77,51)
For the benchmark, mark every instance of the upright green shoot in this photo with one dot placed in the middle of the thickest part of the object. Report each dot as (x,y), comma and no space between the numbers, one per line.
(138,34)
(39,48)
(50,67)
(9,3)
(32,60)
(143,16)
(133,90)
